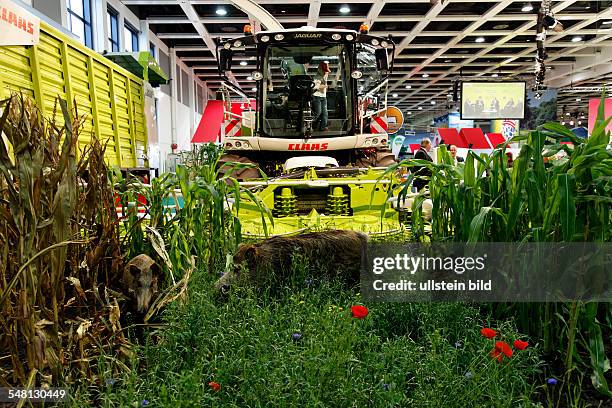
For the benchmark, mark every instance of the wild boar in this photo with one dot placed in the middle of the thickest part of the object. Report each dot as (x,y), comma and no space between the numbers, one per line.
(273,262)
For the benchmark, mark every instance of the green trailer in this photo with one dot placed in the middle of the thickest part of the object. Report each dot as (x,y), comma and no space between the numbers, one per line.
(110,97)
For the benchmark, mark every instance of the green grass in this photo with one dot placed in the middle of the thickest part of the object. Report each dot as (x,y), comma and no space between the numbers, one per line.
(400,355)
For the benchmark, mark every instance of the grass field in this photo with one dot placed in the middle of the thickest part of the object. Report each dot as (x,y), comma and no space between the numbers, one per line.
(303,348)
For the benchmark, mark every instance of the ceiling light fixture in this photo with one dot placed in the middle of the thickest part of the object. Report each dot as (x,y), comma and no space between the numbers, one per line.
(395,95)
(345,9)
(254,89)
(409,113)
(495,75)
(433,102)
(408,86)
(480,39)
(243,63)
(420,108)
(249,78)
(607,22)
(576,39)
(425,75)
(578,99)
(221,11)
(527,7)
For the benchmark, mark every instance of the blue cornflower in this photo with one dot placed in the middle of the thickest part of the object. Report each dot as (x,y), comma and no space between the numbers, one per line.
(458,345)
(468,375)
(552,381)
(110,381)
(386,387)
(145,403)
(296,336)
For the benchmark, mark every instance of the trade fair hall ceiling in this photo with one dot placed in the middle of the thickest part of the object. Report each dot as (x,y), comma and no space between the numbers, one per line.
(437,42)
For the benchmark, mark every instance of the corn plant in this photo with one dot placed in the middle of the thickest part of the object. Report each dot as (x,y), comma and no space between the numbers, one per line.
(60,258)
(537,200)
(211,198)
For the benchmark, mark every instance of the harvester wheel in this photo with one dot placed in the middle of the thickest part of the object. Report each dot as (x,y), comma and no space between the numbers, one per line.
(382,158)
(239,174)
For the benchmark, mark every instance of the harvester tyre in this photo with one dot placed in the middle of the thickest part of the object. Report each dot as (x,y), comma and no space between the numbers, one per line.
(239,174)
(382,158)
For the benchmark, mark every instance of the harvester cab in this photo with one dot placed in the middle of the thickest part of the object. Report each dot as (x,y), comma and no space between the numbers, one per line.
(297,72)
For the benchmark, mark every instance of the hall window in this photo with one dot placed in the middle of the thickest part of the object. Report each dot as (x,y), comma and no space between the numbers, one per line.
(130,36)
(112,20)
(79,20)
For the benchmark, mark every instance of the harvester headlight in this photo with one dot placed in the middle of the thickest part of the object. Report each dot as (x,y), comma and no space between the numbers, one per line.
(384,44)
(238,144)
(237,43)
(279,37)
(257,76)
(265,38)
(368,142)
(350,37)
(356,74)
(383,141)
(336,36)
(374,141)
(375,42)
(246,145)
(228,145)
(227,46)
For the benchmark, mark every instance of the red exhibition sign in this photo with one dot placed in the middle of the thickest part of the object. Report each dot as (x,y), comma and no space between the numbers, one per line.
(593,107)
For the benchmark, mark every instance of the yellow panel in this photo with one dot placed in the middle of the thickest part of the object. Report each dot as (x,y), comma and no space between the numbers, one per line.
(42,72)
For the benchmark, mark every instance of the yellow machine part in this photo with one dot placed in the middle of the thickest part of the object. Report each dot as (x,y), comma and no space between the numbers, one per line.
(109,97)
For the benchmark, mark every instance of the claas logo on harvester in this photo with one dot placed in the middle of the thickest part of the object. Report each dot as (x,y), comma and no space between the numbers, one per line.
(308,146)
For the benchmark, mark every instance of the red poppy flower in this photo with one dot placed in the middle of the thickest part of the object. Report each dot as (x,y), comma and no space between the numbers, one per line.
(520,345)
(214,385)
(504,347)
(359,312)
(501,349)
(496,354)
(488,333)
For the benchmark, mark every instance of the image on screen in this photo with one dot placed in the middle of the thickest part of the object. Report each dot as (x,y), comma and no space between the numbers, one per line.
(493,100)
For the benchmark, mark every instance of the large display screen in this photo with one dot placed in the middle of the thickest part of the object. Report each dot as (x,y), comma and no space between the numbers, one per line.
(493,100)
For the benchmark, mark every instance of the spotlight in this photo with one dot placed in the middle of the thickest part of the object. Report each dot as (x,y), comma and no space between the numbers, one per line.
(395,95)
(221,11)
(420,108)
(576,39)
(425,75)
(433,102)
(495,75)
(578,99)
(408,86)
(243,63)
(527,8)
(480,39)
(552,23)
(345,9)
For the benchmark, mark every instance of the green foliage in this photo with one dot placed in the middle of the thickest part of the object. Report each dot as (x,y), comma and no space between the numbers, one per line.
(400,355)
(542,198)
(206,226)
